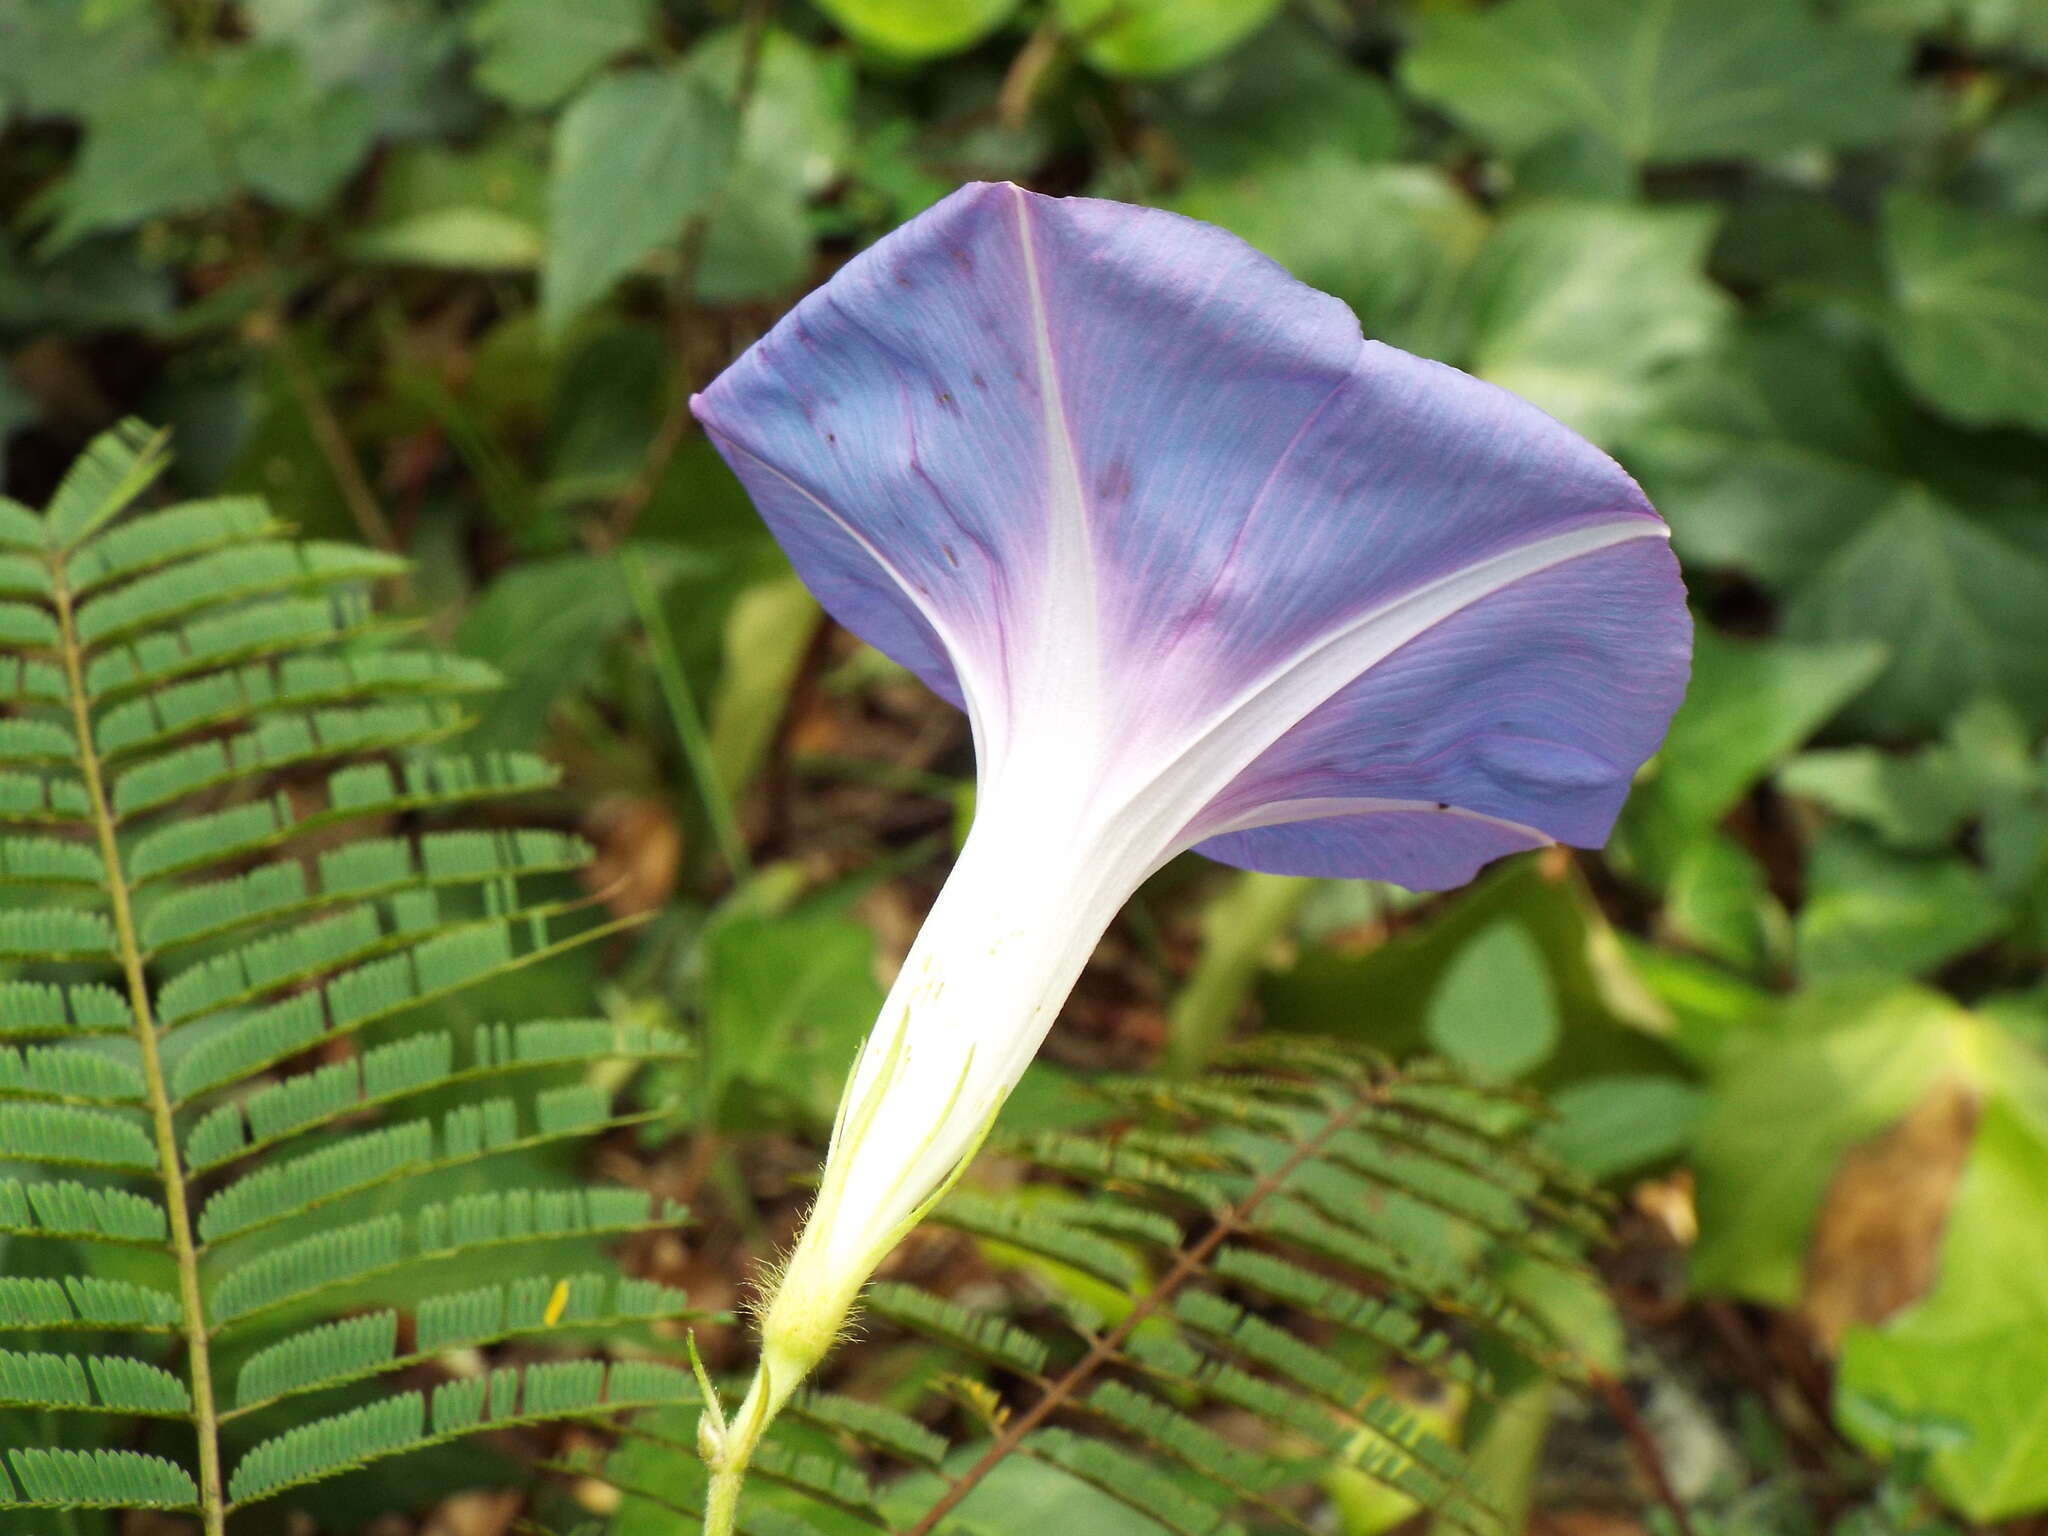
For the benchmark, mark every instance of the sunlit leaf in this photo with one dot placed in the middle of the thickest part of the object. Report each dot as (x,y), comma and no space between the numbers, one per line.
(636,154)
(1661,79)
(1971,328)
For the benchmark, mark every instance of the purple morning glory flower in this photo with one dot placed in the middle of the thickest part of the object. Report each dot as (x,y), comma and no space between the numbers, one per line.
(1207,570)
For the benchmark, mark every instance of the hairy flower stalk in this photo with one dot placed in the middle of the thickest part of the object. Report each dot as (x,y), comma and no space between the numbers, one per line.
(1207,570)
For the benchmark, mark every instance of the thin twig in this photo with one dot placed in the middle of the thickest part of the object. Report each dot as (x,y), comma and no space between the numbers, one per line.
(1027,72)
(1189,1264)
(334,446)
(1644,1445)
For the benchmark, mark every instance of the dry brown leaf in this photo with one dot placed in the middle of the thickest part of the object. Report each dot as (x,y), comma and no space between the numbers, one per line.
(1877,1240)
(639,852)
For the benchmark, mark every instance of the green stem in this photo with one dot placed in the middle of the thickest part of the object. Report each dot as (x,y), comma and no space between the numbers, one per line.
(738,1437)
(689,724)
(177,1208)
(1237,929)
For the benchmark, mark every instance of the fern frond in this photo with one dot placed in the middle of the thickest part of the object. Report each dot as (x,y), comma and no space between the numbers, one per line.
(26,626)
(39,1008)
(335,1261)
(74,1134)
(85,1301)
(282,740)
(977,1334)
(366,790)
(1131,1482)
(422,1063)
(1391,1326)
(115,468)
(49,861)
(296,681)
(60,1479)
(1300,1195)
(878,1429)
(225,576)
(269,1035)
(409,1422)
(28,739)
(276,627)
(119,1385)
(66,1208)
(55,933)
(47,799)
(30,681)
(1037,1232)
(378,867)
(351,1165)
(64,1072)
(166,673)
(158,538)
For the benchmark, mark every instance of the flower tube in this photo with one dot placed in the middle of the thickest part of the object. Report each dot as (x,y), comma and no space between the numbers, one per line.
(1206,569)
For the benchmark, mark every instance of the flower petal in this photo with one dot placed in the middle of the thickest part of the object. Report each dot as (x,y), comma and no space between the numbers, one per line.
(1518,721)
(955,434)
(1119,484)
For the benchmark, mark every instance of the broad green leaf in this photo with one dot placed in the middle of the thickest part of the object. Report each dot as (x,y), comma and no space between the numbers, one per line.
(1494,1011)
(1970,329)
(1771,454)
(1582,307)
(472,239)
(146,153)
(2009,169)
(1389,240)
(1913,801)
(97,285)
(1663,80)
(787,1002)
(636,155)
(195,130)
(1718,901)
(1973,1352)
(294,140)
(545,624)
(918,29)
(1870,912)
(1958,603)
(406,57)
(1793,455)
(1985,24)
(1159,37)
(532,53)
(481,208)
(793,142)
(1285,95)
(69,58)
(1748,706)
(1799,243)
(1613,1125)
(1844,1063)
(1387,995)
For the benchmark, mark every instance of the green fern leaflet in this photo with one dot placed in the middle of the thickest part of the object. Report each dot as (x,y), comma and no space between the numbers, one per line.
(228,888)
(1303,1267)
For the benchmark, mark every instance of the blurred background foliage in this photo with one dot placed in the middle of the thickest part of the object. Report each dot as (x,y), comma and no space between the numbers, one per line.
(440,275)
